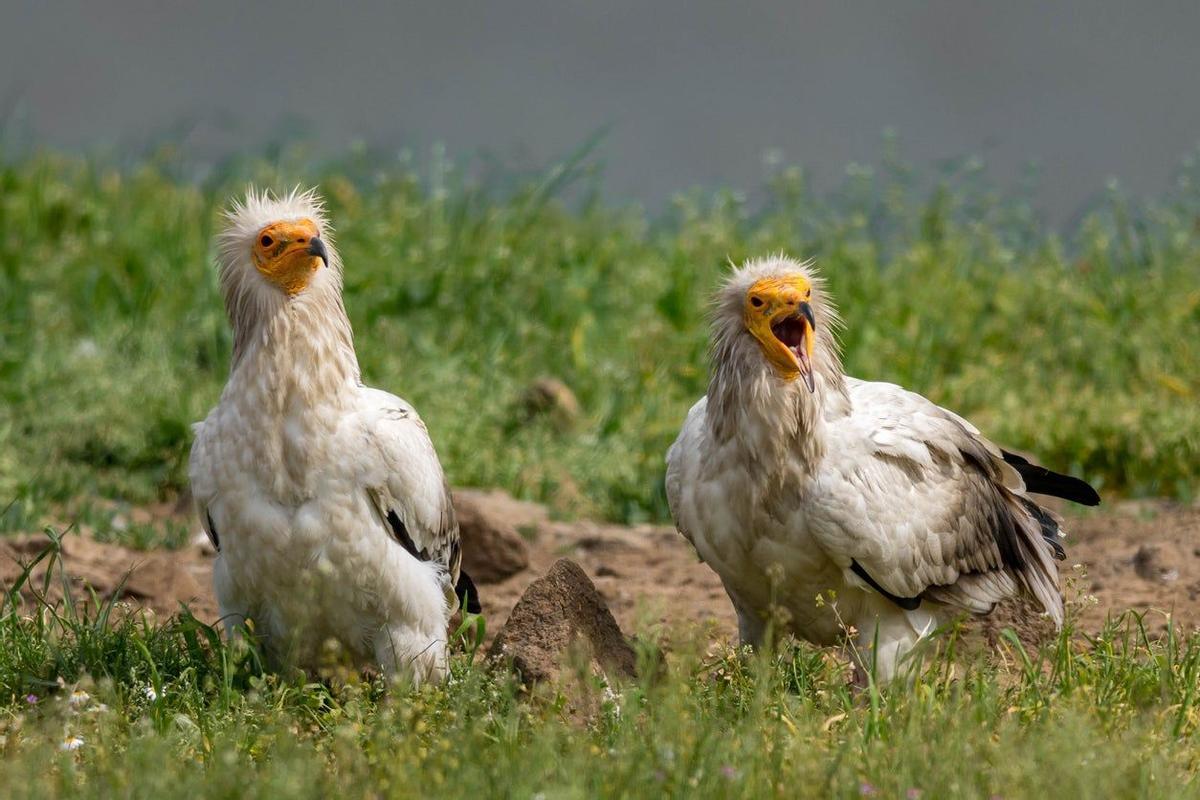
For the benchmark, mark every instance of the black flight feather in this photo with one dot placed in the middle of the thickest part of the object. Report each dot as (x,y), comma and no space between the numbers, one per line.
(1004,531)
(907,603)
(400,532)
(212,531)
(1040,480)
(1048,525)
(465,589)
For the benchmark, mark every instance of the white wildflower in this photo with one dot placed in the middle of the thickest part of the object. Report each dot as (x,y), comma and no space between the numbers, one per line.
(613,700)
(71,742)
(86,349)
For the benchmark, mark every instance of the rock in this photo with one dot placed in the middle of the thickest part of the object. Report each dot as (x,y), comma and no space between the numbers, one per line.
(491,524)
(552,398)
(1147,563)
(557,612)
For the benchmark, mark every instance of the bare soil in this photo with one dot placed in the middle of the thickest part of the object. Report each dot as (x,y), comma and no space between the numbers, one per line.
(1142,555)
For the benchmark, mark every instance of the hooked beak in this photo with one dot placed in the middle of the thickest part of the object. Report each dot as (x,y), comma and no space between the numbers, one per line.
(806,372)
(316,247)
(805,311)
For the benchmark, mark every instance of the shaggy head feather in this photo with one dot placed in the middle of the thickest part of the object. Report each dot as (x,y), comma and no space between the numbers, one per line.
(744,383)
(253,302)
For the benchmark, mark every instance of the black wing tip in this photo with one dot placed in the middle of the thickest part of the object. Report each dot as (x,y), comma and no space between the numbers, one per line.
(1086,494)
(1013,458)
(1066,487)
(1040,480)
(465,589)
(400,534)
(906,603)
(212,531)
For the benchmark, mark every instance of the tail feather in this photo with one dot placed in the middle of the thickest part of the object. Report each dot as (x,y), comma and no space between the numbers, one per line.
(1040,480)
(1049,525)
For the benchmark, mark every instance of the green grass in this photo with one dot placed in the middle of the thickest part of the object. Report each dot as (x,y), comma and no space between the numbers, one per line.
(1081,348)
(170,711)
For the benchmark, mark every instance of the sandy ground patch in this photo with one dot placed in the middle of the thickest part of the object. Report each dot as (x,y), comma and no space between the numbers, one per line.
(1141,555)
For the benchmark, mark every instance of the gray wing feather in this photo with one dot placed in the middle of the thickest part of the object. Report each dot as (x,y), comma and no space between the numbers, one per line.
(409,490)
(937,513)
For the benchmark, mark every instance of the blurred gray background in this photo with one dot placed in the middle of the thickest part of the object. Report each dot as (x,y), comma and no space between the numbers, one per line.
(691,92)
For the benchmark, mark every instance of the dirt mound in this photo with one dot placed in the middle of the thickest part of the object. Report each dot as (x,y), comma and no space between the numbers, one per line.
(557,615)
(159,580)
(651,579)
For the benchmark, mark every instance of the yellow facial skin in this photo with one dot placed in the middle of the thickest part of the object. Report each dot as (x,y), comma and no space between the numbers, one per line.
(283,253)
(770,302)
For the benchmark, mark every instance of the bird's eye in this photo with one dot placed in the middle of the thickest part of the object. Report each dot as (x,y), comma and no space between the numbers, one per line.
(756,302)
(266,241)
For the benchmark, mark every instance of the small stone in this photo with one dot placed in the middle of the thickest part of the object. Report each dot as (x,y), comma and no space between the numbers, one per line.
(1145,562)
(1148,565)
(551,398)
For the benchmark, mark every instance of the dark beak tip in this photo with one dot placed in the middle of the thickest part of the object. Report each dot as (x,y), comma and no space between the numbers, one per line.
(317,248)
(807,312)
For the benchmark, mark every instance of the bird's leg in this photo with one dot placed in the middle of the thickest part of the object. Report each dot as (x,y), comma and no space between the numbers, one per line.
(752,627)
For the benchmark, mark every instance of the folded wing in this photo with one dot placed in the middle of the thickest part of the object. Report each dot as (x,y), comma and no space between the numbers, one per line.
(409,490)
(920,506)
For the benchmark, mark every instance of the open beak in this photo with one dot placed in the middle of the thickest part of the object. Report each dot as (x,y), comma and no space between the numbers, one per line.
(316,247)
(795,332)
(779,315)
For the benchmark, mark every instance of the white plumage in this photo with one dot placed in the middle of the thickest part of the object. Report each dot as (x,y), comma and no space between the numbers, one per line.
(324,498)
(793,480)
